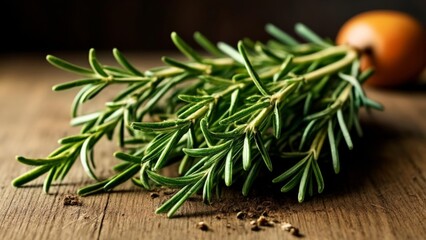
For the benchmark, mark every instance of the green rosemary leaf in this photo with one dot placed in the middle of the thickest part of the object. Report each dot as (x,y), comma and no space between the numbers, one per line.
(117,72)
(254,76)
(84,119)
(263,151)
(181,65)
(216,80)
(237,132)
(129,90)
(365,75)
(190,136)
(76,102)
(159,126)
(357,125)
(67,165)
(85,158)
(185,196)
(122,166)
(131,79)
(121,130)
(93,92)
(194,98)
(31,175)
(166,206)
(156,149)
(308,103)
(355,68)
(143,176)
(296,167)
(284,68)
(94,63)
(207,45)
(159,93)
(370,103)
(262,48)
(352,80)
(280,35)
(333,147)
(124,63)
(185,163)
(309,35)
(304,181)
(93,188)
(75,83)
(73,139)
(292,183)
(206,132)
(230,51)
(64,65)
(240,76)
(40,162)
(169,147)
(234,98)
(192,109)
(344,129)
(306,133)
(311,186)
(209,151)
(48,180)
(318,176)
(122,177)
(127,157)
(137,182)
(326,112)
(185,48)
(61,150)
(277,121)
(247,157)
(174,182)
(293,154)
(208,186)
(244,113)
(229,166)
(157,142)
(251,177)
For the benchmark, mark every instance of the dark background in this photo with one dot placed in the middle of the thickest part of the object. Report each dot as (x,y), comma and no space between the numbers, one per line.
(146,25)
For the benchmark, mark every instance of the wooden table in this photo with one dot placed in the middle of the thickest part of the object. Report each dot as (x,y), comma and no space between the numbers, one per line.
(380,193)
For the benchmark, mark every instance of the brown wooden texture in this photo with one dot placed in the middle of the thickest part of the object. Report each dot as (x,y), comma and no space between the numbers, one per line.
(380,193)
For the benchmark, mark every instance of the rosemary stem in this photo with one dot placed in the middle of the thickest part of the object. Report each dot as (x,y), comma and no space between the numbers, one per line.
(199,113)
(252,126)
(351,55)
(328,52)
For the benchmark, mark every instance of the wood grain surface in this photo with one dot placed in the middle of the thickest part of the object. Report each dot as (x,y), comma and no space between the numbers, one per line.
(380,193)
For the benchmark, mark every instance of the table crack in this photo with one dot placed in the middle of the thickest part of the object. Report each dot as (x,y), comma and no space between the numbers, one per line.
(103,217)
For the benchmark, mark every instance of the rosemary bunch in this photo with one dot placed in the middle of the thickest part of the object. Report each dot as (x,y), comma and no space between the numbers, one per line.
(281,106)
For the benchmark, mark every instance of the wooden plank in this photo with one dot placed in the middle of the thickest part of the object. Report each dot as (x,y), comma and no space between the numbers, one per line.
(379,194)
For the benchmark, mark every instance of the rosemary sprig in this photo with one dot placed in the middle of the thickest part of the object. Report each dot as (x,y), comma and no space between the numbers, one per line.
(240,113)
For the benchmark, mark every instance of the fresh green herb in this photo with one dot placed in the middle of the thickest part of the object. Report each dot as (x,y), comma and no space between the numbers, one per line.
(238,113)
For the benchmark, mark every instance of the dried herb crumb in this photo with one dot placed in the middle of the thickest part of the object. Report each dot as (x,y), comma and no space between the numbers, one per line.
(291,229)
(202,226)
(154,195)
(241,215)
(255,228)
(263,221)
(72,200)
(169,192)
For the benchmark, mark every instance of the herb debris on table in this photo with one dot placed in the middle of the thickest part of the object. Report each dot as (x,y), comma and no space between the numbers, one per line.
(282,107)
